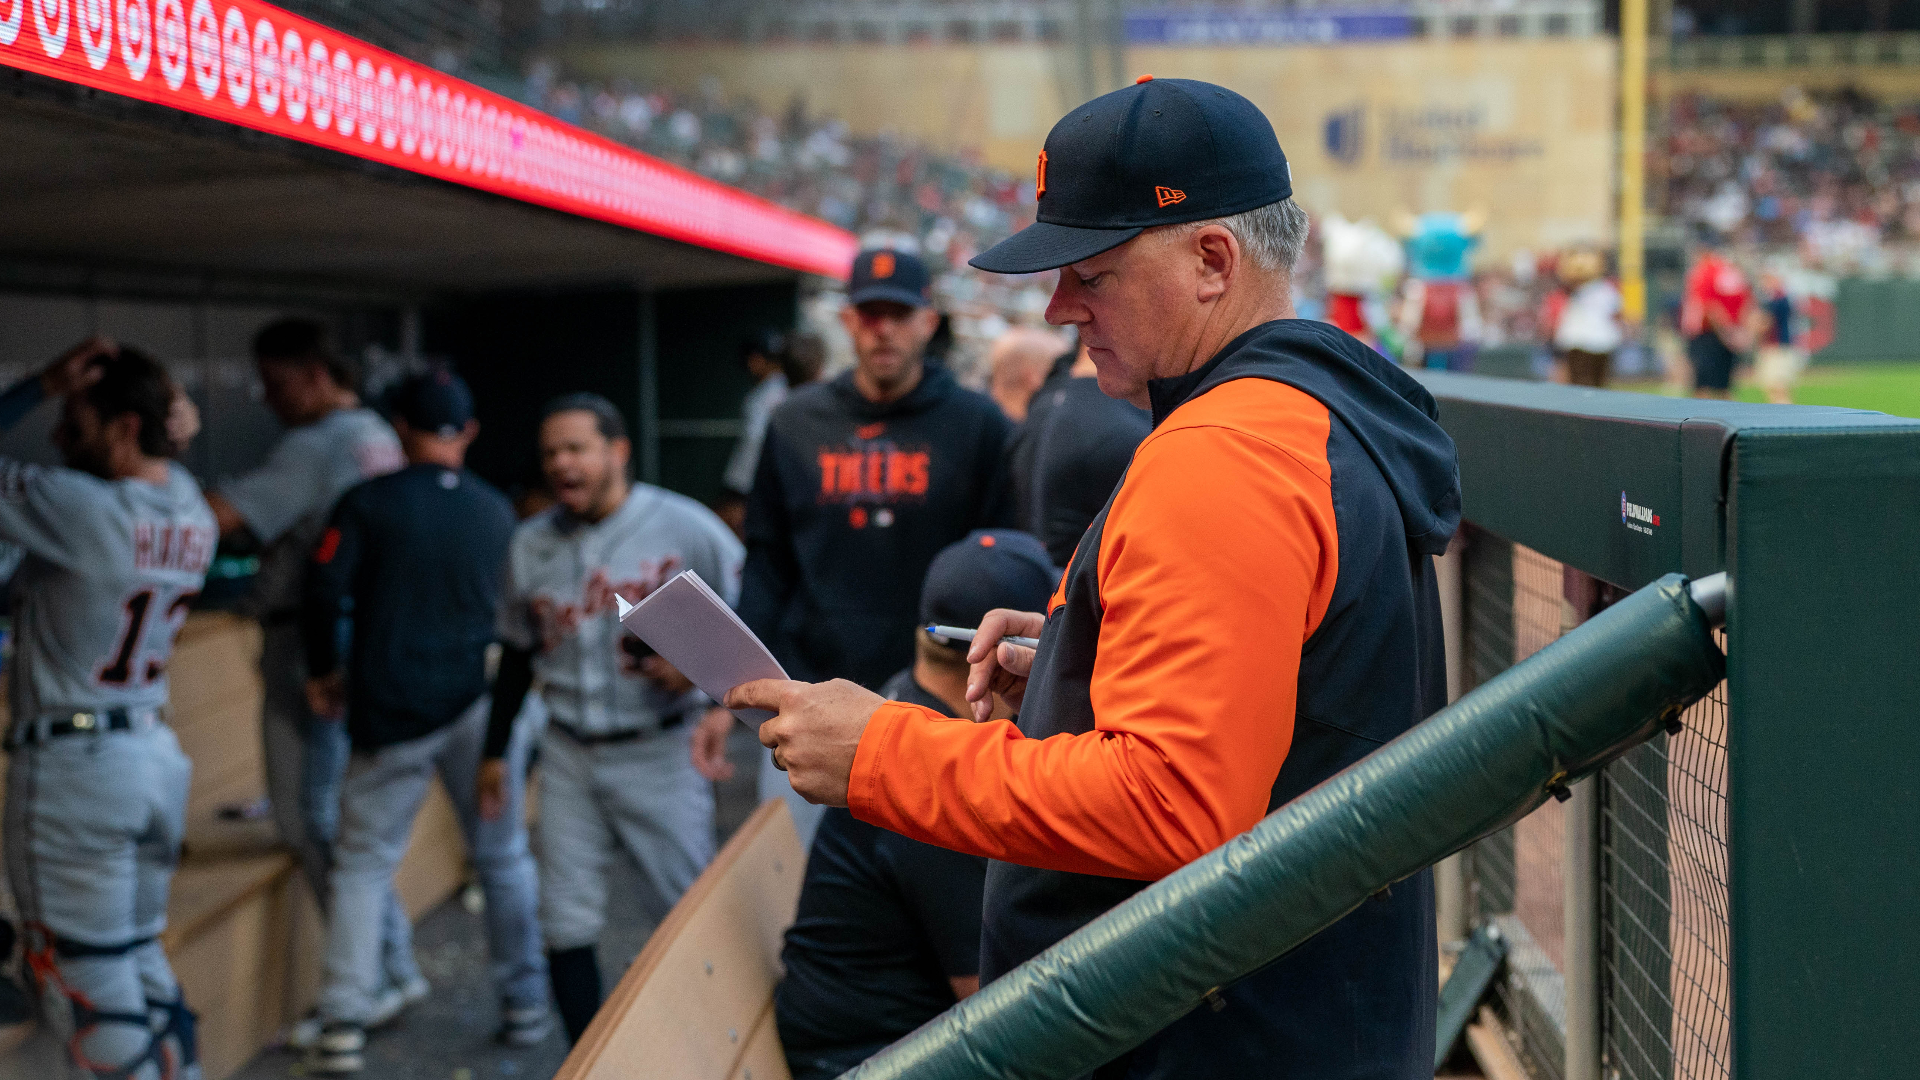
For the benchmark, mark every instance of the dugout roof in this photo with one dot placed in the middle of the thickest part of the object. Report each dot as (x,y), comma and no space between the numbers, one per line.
(239,141)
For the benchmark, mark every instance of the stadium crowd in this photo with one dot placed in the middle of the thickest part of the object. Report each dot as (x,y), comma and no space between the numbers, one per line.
(1833,177)
(944,207)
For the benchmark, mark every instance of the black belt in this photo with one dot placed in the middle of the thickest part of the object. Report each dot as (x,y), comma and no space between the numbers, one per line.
(35,732)
(610,738)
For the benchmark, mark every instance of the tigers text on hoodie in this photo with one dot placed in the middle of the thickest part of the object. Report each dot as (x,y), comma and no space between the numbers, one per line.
(1254,610)
(850,504)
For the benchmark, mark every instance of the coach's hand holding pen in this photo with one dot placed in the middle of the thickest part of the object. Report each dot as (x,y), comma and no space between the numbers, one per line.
(960,633)
(1002,655)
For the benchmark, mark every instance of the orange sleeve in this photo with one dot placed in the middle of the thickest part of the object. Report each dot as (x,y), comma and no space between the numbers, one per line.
(1216,563)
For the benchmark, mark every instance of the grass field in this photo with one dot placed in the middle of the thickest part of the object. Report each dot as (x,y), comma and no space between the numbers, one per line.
(1887,388)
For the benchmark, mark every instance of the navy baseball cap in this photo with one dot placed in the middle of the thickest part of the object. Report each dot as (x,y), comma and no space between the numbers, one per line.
(886,274)
(991,568)
(1160,152)
(436,401)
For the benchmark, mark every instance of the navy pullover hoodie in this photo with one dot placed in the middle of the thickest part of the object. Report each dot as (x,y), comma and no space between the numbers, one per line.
(850,504)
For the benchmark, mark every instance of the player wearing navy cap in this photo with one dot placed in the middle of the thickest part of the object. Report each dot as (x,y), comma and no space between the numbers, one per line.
(888,931)
(1253,610)
(862,480)
(413,560)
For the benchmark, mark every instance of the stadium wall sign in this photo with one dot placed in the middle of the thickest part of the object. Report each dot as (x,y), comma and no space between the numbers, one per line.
(1310,27)
(252,64)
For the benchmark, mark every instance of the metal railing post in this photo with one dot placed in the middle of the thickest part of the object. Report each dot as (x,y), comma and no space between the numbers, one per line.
(1582,924)
(1450,873)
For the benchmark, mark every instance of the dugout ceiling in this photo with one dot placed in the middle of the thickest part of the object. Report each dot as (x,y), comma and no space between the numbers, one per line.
(98,181)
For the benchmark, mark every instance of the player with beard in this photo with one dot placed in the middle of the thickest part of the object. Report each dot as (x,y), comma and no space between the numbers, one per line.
(117,545)
(616,765)
(862,480)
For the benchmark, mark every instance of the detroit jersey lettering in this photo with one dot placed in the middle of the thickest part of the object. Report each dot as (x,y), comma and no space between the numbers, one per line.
(562,576)
(109,570)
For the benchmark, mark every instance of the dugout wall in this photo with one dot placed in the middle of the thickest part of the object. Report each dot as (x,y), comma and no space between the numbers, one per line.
(1732,899)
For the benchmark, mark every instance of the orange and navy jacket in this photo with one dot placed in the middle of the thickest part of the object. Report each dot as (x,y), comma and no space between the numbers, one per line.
(1253,611)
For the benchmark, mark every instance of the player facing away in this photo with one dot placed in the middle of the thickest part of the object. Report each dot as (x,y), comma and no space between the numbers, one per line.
(616,763)
(117,545)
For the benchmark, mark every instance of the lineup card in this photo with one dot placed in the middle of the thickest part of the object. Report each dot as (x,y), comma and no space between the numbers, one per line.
(688,624)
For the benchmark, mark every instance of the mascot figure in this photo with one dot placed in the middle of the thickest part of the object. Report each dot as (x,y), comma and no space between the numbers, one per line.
(1362,264)
(1439,314)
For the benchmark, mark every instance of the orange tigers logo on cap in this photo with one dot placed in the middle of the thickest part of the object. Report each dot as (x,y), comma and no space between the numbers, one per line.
(883,264)
(1167,196)
(1040,183)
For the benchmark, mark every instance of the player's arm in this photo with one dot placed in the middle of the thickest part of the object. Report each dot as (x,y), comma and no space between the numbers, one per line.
(943,889)
(268,501)
(511,684)
(329,581)
(38,505)
(1216,561)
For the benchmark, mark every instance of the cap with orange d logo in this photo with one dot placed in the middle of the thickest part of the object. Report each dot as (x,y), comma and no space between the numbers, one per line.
(1159,152)
(892,275)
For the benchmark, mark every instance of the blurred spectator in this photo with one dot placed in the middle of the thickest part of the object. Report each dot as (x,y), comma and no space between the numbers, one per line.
(1018,363)
(1835,174)
(1070,455)
(1586,330)
(1714,317)
(1781,357)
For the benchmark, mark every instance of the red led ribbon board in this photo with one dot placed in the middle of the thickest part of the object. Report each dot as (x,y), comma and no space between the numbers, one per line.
(255,65)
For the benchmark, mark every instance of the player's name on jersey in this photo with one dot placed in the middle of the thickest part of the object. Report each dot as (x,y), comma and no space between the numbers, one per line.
(161,546)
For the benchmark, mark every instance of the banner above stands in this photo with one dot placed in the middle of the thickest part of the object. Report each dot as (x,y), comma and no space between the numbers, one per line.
(252,64)
(1192,27)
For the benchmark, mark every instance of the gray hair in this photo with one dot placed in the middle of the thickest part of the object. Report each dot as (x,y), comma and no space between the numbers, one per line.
(1271,235)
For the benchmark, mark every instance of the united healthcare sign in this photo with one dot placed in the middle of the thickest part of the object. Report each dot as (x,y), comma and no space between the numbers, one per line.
(252,64)
(1190,27)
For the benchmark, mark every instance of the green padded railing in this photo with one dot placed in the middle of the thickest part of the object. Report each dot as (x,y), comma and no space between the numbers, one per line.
(1474,767)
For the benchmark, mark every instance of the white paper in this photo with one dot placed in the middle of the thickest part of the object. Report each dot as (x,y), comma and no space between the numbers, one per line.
(694,630)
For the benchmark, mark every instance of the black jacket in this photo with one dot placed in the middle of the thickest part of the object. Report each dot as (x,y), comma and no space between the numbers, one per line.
(1067,458)
(415,560)
(851,503)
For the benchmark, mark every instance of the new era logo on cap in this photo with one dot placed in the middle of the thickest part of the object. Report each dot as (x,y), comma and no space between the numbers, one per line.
(1202,150)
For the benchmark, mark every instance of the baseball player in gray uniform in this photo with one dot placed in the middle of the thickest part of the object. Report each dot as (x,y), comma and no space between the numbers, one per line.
(616,765)
(332,443)
(117,544)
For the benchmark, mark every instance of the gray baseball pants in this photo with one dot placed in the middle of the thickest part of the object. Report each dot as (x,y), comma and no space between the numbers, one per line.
(379,801)
(93,830)
(643,797)
(306,760)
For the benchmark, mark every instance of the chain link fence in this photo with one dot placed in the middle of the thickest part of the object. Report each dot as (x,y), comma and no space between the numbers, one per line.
(1662,876)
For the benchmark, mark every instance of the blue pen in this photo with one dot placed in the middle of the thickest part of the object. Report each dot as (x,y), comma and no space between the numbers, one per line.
(957,633)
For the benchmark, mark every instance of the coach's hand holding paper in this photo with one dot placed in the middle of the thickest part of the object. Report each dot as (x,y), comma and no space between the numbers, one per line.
(694,630)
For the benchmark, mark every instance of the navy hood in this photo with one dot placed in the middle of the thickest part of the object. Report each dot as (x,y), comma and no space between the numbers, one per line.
(1389,413)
